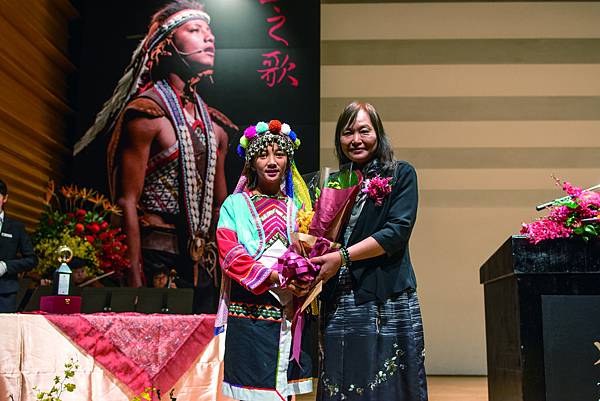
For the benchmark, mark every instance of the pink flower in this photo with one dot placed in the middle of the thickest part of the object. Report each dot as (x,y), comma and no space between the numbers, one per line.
(560,214)
(378,188)
(567,217)
(571,190)
(545,229)
(589,199)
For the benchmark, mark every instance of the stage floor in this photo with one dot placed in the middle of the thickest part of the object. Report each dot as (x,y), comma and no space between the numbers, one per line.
(447,388)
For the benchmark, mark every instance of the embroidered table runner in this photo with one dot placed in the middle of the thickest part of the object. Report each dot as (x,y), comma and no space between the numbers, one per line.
(140,350)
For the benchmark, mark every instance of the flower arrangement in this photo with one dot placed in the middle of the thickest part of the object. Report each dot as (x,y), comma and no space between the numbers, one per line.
(334,204)
(378,188)
(303,219)
(79,218)
(575,215)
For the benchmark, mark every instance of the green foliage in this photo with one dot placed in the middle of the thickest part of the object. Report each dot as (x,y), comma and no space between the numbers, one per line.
(570,203)
(60,384)
(344,179)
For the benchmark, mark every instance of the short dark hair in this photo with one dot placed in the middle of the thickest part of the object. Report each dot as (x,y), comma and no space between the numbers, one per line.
(77,263)
(159,269)
(3,188)
(383,153)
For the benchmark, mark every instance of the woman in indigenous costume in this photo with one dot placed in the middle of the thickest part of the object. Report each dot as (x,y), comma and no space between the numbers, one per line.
(372,332)
(254,229)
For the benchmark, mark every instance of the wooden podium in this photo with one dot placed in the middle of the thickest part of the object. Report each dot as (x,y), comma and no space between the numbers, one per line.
(542,314)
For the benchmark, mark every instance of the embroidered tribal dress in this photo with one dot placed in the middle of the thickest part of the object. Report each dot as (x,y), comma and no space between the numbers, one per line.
(253,231)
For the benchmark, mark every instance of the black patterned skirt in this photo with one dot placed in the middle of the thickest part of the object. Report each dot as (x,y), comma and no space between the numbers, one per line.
(372,352)
(258,346)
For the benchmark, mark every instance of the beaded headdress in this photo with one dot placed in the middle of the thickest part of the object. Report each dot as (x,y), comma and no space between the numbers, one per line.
(257,138)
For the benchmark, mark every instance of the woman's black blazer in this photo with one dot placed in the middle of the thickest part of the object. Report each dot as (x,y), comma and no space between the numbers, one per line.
(390,224)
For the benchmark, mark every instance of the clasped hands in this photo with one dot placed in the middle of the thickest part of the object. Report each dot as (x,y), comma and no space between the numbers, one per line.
(330,264)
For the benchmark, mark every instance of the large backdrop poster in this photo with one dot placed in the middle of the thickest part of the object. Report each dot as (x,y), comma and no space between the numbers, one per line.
(266,66)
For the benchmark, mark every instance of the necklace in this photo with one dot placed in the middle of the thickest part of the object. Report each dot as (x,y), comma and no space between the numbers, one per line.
(196,124)
(278,196)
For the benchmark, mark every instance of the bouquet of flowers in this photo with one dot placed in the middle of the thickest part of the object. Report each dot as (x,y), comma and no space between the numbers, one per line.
(318,230)
(575,215)
(334,204)
(79,218)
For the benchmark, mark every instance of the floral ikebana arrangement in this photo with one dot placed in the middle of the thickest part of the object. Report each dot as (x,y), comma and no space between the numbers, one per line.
(575,215)
(80,219)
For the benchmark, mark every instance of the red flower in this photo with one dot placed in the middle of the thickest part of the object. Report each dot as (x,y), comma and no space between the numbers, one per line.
(81,212)
(94,228)
(79,228)
(90,239)
(103,225)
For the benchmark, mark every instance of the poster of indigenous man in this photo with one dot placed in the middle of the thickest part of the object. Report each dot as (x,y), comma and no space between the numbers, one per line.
(166,130)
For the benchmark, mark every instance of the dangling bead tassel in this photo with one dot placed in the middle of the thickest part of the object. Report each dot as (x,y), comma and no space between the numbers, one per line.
(289,184)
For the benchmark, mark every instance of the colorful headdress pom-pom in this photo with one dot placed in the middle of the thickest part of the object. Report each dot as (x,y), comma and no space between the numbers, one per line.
(261,127)
(257,136)
(275,126)
(250,132)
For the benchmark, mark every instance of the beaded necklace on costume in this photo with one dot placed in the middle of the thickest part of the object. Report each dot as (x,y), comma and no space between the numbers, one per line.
(197,198)
(272,211)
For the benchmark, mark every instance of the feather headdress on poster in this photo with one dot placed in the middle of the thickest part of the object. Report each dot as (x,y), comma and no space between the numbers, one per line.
(137,73)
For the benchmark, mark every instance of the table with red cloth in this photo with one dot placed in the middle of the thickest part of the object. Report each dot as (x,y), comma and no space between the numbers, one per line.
(119,354)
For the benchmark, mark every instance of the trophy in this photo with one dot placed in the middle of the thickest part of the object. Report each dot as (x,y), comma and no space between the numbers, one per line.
(62,275)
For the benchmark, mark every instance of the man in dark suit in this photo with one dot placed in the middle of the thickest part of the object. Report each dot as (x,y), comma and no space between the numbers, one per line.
(16,255)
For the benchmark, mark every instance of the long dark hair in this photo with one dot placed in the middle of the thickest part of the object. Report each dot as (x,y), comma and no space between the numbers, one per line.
(384,154)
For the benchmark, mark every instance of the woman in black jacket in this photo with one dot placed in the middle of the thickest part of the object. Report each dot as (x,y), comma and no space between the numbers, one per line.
(373,345)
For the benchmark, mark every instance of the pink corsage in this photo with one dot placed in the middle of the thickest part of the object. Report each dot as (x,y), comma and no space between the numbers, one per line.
(378,188)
